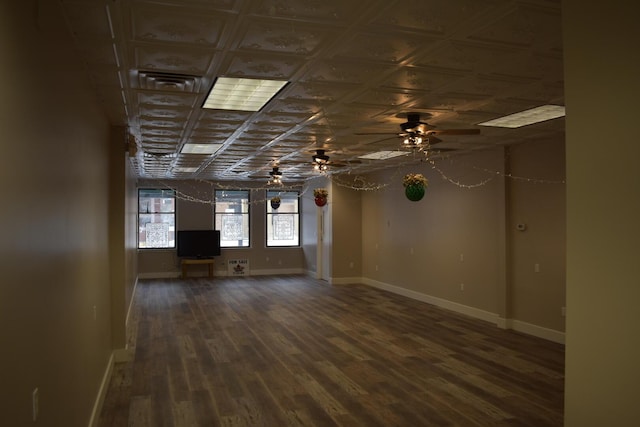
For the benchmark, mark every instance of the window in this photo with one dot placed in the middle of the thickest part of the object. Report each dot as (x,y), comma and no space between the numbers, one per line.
(232,217)
(283,223)
(156,218)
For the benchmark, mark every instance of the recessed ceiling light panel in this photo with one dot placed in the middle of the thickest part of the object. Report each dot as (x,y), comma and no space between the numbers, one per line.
(527,117)
(184,169)
(230,93)
(200,148)
(383,155)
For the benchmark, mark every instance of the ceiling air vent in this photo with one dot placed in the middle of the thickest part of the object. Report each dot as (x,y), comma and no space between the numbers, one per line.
(156,80)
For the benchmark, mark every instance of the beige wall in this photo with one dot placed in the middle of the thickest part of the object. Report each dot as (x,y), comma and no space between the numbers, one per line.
(448,238)
(123,208)
(54,247)
(309,226)
(537,199)
(130,237)
(318,229)
(459,247)
(602,66)
(346,242)
(198,215)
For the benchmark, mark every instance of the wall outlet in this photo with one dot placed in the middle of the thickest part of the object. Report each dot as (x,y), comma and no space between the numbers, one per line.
(35,403)
(461,257)
(536,268)
(462,286)
(95,313)
(351,264)
(376,267)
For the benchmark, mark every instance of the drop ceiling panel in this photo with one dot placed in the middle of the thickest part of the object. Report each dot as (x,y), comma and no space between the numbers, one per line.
(353,67)
(257,65)
(159,25)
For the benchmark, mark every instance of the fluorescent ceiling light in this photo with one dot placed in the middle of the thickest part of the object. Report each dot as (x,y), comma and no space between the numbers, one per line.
(229,93)
(184,169)
(200,148)
(527,117)
(383,155)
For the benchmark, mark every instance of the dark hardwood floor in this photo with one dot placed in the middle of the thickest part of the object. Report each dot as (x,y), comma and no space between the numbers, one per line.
(293,351)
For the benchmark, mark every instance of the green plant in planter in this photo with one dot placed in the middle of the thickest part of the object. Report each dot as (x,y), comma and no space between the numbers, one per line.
(275,202)
(415,185)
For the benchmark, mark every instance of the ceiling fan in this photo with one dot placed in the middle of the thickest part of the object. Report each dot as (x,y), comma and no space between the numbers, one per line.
(416,134)
(321,161)
(274,177)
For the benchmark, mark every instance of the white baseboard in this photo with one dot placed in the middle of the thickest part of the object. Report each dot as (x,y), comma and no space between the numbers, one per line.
(345,280)
(439,302)
(102,393)
(133,296)
(268,272)
(516,325)
(222,273)
(531,329)
(117,356)
(160,275)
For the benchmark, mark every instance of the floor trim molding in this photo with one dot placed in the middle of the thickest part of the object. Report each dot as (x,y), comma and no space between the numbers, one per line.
(513,324)
(102,392)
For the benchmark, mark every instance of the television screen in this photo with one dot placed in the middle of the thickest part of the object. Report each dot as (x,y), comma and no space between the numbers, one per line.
(198,243)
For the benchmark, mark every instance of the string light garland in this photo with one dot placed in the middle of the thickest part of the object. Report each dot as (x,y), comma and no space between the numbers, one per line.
(458,183)
(356,183)
(209,198)
(521,178)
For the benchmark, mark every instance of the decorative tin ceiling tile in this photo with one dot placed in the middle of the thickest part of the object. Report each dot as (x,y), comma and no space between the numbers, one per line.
(353,67)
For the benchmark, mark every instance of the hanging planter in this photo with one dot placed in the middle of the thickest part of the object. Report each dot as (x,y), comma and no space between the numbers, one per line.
(415,185)
(320,196)
(275,202)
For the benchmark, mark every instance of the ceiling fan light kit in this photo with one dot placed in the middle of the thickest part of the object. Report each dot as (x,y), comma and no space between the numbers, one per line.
(414,140)
(320,161)
(276,176)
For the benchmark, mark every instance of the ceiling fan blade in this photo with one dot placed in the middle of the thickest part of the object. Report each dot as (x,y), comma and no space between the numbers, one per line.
(454,131)
(441,150)
(375,133)
(343,163)
(433,140)
(383,139)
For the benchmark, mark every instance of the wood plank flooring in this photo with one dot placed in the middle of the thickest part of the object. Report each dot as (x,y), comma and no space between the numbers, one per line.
(294,351)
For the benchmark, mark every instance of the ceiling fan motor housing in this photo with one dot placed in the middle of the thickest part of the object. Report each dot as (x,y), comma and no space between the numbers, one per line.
(413,124)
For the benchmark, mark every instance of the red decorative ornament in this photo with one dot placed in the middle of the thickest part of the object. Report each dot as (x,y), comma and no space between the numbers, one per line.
(321,201)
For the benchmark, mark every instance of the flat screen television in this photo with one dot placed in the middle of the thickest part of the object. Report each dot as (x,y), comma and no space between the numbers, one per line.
(198,243)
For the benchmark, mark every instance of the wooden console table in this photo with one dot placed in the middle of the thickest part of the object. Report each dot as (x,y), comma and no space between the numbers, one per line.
(188,262)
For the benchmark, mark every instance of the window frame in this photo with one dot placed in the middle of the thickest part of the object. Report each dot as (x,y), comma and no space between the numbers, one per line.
(269,214)
(163,193)
(247,213)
